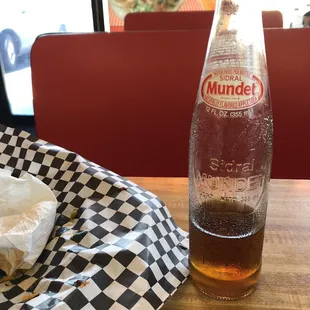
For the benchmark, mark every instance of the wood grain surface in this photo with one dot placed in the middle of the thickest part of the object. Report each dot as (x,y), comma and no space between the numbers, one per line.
(285,278)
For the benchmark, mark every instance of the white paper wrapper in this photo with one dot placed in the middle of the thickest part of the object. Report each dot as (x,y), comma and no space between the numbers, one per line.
(27,217)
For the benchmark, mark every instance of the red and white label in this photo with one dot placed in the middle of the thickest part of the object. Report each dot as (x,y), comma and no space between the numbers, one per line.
(232,89)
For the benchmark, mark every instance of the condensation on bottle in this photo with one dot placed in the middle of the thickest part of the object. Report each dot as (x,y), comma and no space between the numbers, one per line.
(230,154)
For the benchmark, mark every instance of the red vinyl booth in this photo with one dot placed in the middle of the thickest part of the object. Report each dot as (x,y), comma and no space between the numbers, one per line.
(125,100)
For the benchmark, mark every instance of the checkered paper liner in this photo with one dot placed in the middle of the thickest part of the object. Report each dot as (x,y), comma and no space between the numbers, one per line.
(123,250)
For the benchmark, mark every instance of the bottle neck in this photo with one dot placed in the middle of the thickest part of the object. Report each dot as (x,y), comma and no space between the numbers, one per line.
(237,7)
(237,37)
(242,16)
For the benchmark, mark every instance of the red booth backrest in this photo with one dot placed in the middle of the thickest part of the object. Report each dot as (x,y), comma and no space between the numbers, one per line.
(186,20)
(125,100)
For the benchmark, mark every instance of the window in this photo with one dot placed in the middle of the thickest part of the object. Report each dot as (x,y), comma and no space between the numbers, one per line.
(292,11)
(21,21)
(119,8)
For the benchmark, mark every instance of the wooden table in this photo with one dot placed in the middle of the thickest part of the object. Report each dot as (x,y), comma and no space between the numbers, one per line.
(285,278)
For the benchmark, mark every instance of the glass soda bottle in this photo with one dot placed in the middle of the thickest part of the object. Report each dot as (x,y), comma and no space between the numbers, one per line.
(230,155)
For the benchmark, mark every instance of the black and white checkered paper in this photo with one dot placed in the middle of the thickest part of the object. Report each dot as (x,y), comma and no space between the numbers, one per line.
(122,251)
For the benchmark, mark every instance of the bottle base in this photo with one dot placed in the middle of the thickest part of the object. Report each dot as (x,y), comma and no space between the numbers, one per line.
(224,290)
(224,298)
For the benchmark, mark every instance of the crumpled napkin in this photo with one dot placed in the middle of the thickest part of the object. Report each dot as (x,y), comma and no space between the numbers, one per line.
(27,217)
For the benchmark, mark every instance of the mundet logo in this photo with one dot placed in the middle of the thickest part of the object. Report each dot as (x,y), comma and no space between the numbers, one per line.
(232,89)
